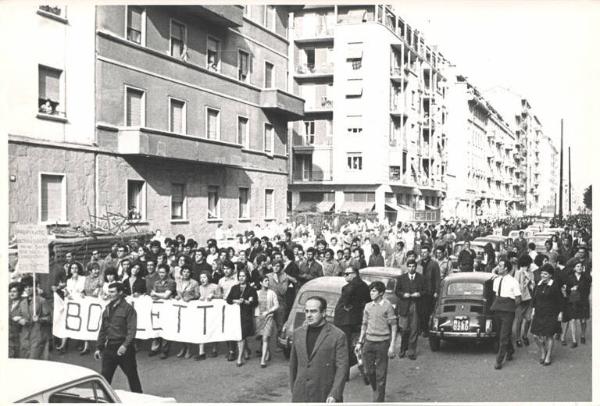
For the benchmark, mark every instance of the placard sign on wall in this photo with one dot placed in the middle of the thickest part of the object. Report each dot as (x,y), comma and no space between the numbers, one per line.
(32,243)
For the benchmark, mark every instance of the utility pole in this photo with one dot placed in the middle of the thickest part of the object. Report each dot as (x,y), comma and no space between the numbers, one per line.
(560,188)
(569,181)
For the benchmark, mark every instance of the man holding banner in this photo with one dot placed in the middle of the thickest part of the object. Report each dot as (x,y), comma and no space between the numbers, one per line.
(115,338)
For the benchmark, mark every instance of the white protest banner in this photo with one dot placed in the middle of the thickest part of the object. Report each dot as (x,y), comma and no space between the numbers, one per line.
(192,322)
(32,248)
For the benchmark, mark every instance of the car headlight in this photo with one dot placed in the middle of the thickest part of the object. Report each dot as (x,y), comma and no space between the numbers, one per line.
(488,326)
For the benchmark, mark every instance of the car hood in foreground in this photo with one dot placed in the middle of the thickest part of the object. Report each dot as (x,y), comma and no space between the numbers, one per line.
(132,397)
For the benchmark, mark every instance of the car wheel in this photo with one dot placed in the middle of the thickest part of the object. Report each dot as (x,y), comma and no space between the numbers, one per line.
(434,343)
(286,352)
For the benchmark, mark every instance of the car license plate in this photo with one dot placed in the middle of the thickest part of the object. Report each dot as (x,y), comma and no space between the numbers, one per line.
(461,325)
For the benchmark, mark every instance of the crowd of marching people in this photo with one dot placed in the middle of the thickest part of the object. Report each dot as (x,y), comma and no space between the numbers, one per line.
(262,270)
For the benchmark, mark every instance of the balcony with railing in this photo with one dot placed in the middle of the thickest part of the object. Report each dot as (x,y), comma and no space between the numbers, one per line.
(319,104)
(313,175)
(306,70)
(281,102)
(320,34)
(397,75)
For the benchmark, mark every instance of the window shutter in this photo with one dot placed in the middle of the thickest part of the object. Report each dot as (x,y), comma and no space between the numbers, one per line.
(52,197)
(49,83)
(135,18)
(134,108)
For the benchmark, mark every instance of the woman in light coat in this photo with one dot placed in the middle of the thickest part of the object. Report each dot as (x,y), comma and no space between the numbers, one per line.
(263,313)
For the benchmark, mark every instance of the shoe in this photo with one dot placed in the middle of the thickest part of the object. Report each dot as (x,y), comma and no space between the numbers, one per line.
(188,355)
(239,364)
(200,357)
(497,366)
(526,341)
(509,356)
(573,344)
(164,355)
(181,353)
(582,340)
(231,356)
(563,342)
(546,363)
(61,350)
(519,343)
(263,365)
(542,361)
(85,351)
(152,353)
(402,354)
(412,357)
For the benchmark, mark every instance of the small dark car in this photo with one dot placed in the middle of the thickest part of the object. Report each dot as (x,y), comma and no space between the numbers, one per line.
(462,310)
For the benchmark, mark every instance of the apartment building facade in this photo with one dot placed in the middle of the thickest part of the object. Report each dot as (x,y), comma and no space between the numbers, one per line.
(373,136)
(173,116)
(549,177)
(484,171)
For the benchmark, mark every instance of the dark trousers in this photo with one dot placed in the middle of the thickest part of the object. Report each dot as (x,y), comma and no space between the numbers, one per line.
(375,357)
(504,321)
(410,329)
(427,302)
(127,362)
(350,331)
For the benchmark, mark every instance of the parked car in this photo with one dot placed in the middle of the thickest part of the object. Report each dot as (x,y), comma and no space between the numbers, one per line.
(462,311)
(476,246)
(328,287)
(514,234)
(496,240)
(389,277)
(35,381)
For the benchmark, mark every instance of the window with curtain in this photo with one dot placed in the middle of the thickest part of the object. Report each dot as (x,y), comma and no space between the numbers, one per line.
(134,110)
(213,202)
(268,138)
(52,198)
(243,211)
(49,91)
(177,39)
(177,201)
(244,66)
(135,18)
(136,199)
(242,131)
(213,130)
(269,204)
(177,124)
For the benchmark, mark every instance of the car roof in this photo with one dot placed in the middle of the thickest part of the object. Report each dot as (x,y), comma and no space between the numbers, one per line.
(495,238)
(381,271)
(474,243)
(468,277)
(324,283)
(28,377)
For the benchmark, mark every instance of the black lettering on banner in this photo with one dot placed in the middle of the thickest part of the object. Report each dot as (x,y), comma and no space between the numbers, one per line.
(223,320)
(99,319)
(137,328)
(204,307)
(153,314)
(69,315)
(179,315)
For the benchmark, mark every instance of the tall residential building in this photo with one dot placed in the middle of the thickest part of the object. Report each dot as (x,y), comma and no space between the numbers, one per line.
(373,135)
(549,177)
(173,116)
(483,169)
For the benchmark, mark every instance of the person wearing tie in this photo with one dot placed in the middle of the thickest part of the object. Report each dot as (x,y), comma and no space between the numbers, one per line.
(409,289)
(508,296)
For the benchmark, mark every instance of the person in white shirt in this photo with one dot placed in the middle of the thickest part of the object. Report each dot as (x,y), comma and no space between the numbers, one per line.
(532,252)
(508,295)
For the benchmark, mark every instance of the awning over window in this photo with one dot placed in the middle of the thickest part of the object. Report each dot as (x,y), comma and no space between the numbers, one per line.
(395,207)
(312,206)
(357,207)
(354,87)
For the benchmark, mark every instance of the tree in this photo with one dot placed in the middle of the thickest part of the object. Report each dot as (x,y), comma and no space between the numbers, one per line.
(587,197)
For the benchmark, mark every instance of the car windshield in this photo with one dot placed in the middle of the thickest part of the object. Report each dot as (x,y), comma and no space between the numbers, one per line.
(390,283)
(465,289)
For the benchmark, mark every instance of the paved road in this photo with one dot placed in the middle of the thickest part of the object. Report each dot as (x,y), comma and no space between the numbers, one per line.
(458,373)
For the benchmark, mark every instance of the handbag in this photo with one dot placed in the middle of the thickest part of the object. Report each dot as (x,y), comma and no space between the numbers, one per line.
(503,304)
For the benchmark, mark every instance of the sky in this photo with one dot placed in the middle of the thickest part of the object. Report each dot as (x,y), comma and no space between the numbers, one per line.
(546,51)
